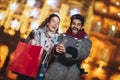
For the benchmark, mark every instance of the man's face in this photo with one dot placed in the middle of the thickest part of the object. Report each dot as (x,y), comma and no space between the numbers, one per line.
(75,26)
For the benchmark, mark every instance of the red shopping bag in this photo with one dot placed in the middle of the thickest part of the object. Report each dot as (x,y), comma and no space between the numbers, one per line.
(26,59)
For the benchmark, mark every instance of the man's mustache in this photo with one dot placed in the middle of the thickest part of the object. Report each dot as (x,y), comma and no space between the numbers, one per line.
(74,28)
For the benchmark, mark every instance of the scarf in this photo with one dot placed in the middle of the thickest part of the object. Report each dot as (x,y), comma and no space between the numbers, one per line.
(80,35)
(49,34)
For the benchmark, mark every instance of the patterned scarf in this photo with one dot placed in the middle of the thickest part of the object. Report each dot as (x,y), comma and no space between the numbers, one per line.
(80,35)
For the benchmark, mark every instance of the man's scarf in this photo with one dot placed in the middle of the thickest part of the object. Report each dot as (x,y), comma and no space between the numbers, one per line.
(80,35)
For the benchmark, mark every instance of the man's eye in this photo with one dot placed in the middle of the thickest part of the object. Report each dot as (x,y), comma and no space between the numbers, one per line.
(79,24)
(73,23)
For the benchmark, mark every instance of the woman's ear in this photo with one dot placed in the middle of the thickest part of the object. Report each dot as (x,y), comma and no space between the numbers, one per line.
(47,23)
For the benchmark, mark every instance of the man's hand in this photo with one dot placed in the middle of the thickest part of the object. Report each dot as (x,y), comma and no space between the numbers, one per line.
(60,48)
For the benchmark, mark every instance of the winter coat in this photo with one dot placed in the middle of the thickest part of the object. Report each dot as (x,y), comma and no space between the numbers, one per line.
(65,66)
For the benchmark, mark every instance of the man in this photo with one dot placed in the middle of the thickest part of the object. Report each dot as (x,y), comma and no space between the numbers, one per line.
(66,65)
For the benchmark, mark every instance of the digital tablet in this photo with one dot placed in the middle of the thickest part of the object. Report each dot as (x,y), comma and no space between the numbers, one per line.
(68,41)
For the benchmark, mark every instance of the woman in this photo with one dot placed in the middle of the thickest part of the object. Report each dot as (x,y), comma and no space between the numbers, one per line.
(46,36)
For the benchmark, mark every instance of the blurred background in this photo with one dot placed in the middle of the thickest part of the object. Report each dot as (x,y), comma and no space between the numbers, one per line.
(102,23)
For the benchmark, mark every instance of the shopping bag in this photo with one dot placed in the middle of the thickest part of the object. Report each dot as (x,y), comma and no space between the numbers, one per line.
(26,59)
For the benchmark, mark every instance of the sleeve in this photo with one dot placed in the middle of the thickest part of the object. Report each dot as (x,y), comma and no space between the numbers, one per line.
(83,47)
(29,37)
(72,51)
(54,48)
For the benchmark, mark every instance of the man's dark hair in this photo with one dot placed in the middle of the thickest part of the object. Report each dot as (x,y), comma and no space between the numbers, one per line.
(77,16)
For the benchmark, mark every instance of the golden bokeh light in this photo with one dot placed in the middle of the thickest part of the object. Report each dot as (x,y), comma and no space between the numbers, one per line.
(3,54)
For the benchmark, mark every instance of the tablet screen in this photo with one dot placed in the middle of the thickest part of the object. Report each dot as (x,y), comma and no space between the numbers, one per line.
(68,41)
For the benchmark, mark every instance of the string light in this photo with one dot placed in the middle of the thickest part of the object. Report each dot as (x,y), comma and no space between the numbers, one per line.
(14,23)
(31,3)
(74,11)
(52,3)
(13,6)
(1,16)
(34,25)
(34,13)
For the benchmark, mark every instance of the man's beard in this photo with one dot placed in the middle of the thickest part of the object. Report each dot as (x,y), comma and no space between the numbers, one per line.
(74,30)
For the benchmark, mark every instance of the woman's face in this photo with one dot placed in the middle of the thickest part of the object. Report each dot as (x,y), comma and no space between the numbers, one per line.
(53,24)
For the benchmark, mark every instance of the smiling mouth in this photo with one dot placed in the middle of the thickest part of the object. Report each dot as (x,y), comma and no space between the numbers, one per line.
(75,29)
(54,27)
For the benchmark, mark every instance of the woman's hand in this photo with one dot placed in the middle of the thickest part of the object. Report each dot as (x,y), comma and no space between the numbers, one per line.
(60,48)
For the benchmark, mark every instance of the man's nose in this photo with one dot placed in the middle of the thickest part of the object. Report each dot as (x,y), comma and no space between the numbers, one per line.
(75,25)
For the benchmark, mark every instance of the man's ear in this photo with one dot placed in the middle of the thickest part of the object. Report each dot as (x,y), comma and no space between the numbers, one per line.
(82,27)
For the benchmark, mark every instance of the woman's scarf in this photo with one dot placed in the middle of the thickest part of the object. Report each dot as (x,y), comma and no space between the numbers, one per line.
(50,37)
(49,33)
(80,35)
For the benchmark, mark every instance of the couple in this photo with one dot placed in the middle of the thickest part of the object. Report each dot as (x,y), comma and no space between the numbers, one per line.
(60,67)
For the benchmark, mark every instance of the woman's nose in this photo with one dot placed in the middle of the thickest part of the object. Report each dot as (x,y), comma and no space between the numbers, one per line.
(56,24)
